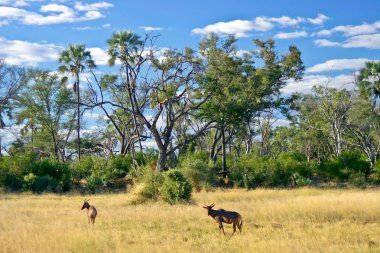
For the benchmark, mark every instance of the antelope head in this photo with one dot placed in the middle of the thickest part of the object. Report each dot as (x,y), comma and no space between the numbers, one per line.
(209,207)
(85,204)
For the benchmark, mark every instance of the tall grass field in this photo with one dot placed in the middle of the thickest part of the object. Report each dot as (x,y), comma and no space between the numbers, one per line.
(302,220)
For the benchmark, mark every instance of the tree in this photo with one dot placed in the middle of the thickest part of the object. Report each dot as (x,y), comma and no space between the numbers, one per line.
(152,88)
(364,126)
(12,80)
(76,59)
(128,48)
(239,89)
(48,106)
(369,83)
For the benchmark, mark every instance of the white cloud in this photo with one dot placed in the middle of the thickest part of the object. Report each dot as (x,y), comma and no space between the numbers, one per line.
(306,85)
(287,21)
(241,28)
(150,28)
(352,30)
(291,35)
(54,13)
(83,28)
(326,43)
(92,7)
(241,53)
(99,55)
(371,41)
(27,53)
(18,3)
(319,20)
(338,64)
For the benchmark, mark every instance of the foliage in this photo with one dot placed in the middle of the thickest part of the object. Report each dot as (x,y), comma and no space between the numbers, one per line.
(196,169)
(152,180)
(288,169)
(175,187)
(343,166)
(51,175)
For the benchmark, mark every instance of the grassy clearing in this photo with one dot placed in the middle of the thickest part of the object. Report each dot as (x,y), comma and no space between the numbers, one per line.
(303,220)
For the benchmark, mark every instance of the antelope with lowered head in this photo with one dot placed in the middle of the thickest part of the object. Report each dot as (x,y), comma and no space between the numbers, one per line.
(222,216)
(91,211)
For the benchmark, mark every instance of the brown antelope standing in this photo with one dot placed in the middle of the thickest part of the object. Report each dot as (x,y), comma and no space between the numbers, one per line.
(91,211)
(228,217)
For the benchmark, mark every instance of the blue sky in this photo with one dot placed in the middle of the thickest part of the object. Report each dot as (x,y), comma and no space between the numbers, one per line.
(335,37)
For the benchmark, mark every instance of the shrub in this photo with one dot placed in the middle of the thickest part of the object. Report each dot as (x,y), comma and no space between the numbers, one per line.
(152,180)
(51,173)
(94,182)
(197,172)
(175,187)
(347,163)
(357,179)
(29,180)
(45,183)
(287,169)
(118,167)
(82,168)
(300,180)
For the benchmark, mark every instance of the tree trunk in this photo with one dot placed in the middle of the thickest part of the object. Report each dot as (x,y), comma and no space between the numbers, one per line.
(224,155)
(161,161)
(78,118)
(213,150)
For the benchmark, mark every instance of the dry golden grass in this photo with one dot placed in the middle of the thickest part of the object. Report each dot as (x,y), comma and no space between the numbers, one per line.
(303,220)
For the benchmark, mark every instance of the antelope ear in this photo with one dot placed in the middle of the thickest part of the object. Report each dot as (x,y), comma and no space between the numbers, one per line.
(205,207)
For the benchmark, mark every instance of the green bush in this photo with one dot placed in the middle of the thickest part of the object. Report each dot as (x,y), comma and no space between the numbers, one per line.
(45,183)
(357,179)
(82,168)
(175,187)
(300,180)
(342,167)
(119,167)
(51,173)
(94,183)
(197,171)
(29,180)
(152,180)
(288,169)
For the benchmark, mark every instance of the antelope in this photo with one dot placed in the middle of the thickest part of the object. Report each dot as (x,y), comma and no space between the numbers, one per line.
(227,217)
(91,213)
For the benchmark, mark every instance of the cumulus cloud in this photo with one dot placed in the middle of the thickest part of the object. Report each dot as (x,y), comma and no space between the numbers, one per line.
(241,28)
(371,41)
(309,81)
(338,64)
(54,13)
(291,35)
(92,7)
(319,20)
(84,28)
(351,30)
(150,28)
(326,43)
(17,52)
(99,55)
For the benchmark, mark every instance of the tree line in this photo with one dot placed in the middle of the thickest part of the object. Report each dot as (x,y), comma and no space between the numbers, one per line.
(213,103)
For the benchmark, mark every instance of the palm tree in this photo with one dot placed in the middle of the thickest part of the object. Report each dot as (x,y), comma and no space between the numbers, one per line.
(369,83)
(75,59)
(128,48)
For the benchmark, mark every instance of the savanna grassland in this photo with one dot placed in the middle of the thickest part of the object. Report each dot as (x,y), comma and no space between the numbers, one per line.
(303,220)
